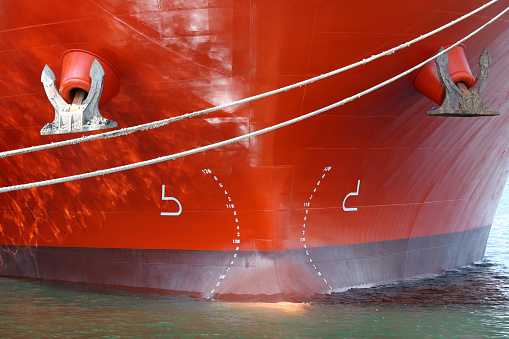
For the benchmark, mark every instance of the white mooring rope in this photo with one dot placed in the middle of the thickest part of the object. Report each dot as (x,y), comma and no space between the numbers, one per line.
(245,136)
(160,123)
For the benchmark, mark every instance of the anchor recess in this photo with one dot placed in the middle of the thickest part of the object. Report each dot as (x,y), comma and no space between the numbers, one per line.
(81,115)
(460,101)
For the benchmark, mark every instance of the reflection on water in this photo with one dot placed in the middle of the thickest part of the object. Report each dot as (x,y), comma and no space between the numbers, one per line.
(482,284)
(471,302)
(468,302)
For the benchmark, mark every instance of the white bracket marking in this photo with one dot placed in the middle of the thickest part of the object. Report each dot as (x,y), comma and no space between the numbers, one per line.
(172,199)
(350,209)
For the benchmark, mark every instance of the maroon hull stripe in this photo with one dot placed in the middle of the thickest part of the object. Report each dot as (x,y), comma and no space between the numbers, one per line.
(263,276)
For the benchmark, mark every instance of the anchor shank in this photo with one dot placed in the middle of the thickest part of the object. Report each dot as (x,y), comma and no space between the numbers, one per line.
(79,96)
(463,88)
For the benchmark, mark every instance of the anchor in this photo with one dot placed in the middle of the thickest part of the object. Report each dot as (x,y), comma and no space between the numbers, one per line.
(459,100)
(82,115)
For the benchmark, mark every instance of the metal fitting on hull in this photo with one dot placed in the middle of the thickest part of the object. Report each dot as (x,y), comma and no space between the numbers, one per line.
(460,101)
(79,116)
(426,80)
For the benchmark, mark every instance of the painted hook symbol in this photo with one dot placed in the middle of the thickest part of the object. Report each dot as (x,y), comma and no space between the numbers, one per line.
(172,199)
(350,209)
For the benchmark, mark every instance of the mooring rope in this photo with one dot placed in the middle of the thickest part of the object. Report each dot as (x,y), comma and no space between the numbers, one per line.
(163,122)
(245,136)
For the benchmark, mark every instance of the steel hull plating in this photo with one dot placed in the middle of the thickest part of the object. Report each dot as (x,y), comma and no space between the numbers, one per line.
(370,192)
(265,275)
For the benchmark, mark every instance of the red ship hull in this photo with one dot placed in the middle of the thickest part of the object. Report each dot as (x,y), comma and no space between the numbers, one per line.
(371,192)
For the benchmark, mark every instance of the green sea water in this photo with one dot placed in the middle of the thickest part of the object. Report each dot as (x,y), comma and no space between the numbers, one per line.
(472,302)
